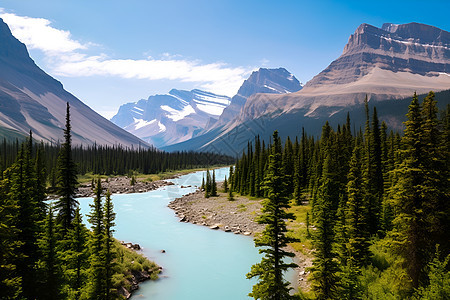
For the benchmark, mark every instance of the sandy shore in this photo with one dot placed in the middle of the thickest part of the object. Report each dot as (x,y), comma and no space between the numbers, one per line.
(238,217)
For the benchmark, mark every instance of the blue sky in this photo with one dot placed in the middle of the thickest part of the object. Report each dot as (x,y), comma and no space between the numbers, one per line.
(109,52)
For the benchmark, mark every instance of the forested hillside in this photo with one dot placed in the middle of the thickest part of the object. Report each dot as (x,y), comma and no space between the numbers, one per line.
(379,199)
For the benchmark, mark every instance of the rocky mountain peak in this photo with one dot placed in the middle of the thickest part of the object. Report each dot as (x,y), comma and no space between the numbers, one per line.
(10,47)
(271,81)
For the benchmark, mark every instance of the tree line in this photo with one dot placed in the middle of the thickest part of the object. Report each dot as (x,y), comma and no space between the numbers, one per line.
(380,207)
(112,160)
(46,251)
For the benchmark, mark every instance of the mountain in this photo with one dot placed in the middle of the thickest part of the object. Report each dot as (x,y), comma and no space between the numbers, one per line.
(387,63)
(31,99)
(174,117)
(267,81)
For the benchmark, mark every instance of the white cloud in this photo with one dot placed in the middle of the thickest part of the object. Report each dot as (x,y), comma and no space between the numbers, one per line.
(67,59)
(37,33)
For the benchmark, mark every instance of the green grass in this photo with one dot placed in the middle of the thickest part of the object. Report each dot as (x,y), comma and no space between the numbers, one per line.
(128,261)
(242,208)
(297,228)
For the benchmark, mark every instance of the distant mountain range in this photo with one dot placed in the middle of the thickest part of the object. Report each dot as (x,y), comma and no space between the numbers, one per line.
(385,63)
(178,116)
(31,99)
(174,117)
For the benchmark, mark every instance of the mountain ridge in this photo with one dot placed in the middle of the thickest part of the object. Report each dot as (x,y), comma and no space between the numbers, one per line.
(32,99)
(382,64)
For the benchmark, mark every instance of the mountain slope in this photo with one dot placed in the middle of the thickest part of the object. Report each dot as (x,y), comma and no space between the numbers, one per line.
(385,63)
(267,81)
(31,99)
(174,117)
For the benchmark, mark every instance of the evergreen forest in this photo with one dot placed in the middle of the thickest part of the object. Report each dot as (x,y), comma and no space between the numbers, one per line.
(378,207)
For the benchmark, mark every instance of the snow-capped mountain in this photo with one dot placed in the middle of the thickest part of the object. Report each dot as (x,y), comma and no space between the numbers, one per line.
(31,99)
(171,118)
(267,81)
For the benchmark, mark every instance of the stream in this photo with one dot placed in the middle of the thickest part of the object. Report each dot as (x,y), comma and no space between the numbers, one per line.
(198,263)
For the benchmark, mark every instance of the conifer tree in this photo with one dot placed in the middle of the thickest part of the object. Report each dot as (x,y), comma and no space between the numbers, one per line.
(97,266)
(208,185)
(109,217)
(297,180)
(225,185)
(411,230)
(325,268)
(49,261)
(230,195)
(75,258)
(358,244)
(439,279)
(24,191)
(213,185)
(66,179)
(349,286)
(270,270)
(10,279)
(436,190)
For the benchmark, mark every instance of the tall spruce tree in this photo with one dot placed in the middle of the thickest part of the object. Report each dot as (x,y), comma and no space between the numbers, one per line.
(213,185)
(411,230)
(325,268)
(24,190)
(269,271)
(357,230)
(10,279)
(74,258)
(436,190)
(109,217)
(97,267)
(49,264)
(225,185)
(66,179)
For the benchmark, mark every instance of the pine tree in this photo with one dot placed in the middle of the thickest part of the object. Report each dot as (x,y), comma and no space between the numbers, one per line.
(49,261)
(411,230)
(97,266)
(225,185)
(109,217)
(75,258)
(10,279)
(230,195)
(208,185)
(439,279)
(66,180)
(213,185)
(325,268)
(357,230)
(436,190)
(24,191)
(270,270)
(349,285)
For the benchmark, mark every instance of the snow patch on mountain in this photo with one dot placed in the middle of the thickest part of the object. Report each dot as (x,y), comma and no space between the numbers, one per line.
(176,115)
(139,123)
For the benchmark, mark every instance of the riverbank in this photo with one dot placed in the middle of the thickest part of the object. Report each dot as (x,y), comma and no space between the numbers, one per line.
(121,185)
(238,217)
(132,269)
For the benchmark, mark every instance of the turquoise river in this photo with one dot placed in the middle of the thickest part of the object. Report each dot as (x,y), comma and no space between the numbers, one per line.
(199,263)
